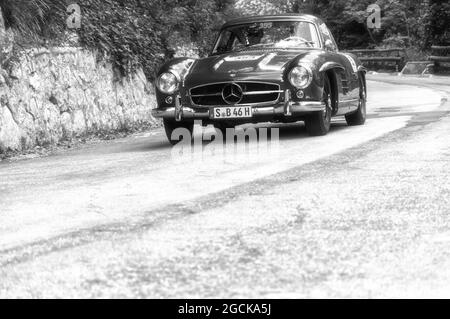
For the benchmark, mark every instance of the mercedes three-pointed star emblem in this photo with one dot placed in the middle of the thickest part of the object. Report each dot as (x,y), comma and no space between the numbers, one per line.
(232,93)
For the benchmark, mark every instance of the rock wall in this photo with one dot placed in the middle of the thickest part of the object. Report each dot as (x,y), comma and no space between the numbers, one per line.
(56,94)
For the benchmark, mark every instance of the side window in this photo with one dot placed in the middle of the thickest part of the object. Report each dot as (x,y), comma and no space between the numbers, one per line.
(229,41)
(328,37)
(237,44)
(224,42)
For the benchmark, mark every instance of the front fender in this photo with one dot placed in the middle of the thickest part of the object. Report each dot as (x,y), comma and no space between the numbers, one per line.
(314,60)
(180,67)
(331,65)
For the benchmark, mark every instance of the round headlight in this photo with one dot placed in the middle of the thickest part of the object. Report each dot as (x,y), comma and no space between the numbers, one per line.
(300,77)
(167,83)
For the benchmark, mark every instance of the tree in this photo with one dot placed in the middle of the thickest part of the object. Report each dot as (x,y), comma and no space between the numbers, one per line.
(403,21)
(437,27)
(130,33)
(258,7)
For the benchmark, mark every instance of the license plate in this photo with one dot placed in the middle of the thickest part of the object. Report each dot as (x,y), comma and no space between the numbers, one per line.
(232,112)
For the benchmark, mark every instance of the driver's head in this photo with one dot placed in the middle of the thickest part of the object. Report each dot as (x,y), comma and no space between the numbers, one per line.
(255,35)
(293,30)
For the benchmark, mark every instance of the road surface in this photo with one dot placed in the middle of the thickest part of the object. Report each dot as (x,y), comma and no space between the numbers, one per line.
(362,212)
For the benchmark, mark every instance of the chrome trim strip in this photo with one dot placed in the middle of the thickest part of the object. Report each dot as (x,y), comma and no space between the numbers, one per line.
(202,95)
(188,113)
(301,107)
(262,92)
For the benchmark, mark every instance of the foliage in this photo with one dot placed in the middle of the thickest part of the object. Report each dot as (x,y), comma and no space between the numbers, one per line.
(438,30)
(137,33)
(347,18)
(130,33)
(252,7)
(27,16)
(145,33)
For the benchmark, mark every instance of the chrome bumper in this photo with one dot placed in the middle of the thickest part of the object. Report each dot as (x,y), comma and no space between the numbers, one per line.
(285,109)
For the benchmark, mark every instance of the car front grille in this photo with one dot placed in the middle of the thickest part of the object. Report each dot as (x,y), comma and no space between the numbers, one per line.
(254,93)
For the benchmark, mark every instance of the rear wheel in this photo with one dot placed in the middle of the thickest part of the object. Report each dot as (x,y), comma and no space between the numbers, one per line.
(318,123)
(359,117)
(177,131)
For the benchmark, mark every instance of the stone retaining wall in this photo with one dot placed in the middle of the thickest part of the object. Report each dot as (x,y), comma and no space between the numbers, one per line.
(57,94)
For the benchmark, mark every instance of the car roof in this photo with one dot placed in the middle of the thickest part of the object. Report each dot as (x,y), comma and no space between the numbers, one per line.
(267,18)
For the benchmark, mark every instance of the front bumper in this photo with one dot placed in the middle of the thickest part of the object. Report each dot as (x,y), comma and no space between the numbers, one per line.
(286,109)
(296,108)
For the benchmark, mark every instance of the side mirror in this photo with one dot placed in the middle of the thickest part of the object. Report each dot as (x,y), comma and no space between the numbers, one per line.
(329,45)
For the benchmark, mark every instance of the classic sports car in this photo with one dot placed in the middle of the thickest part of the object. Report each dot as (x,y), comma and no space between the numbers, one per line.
(282,68)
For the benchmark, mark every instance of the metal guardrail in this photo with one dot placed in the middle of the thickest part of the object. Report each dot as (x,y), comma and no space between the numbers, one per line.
(441,58)
(382,58)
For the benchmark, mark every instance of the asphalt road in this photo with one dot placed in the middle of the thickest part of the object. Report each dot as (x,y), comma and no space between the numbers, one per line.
(362,212)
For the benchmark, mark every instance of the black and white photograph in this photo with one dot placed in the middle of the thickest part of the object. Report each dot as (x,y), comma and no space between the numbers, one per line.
(226,150)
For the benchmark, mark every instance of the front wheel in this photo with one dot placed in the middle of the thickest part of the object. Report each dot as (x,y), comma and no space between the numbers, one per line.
(359,117)
(319,123)
(178,131)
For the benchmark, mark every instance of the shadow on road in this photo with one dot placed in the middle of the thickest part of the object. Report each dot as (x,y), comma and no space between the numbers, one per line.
(157,142)
(287,132)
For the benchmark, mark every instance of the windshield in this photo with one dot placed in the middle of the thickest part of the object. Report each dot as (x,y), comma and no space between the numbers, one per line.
(281,34)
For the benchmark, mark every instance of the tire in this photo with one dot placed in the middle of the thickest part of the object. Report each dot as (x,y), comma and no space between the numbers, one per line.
(171,125)
(359,117)
(319,123)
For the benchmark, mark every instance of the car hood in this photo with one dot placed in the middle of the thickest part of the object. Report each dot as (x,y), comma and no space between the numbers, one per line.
(238,65)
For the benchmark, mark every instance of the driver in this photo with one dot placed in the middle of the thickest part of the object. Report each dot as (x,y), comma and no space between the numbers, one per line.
(254,36)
